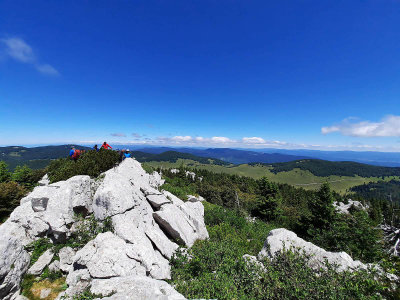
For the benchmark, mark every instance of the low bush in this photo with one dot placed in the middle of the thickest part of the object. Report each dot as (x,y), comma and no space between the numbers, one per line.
(215,269)
(90,163)
(10,196)
(37,248)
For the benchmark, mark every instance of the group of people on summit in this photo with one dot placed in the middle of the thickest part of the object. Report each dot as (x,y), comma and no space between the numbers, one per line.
(74,153)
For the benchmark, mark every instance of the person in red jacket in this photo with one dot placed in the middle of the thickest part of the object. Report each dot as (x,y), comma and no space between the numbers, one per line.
(106,146)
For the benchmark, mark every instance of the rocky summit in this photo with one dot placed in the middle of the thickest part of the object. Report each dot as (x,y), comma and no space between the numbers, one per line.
(148,226)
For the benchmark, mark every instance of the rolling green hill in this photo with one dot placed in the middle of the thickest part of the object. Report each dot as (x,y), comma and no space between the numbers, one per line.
(295,176)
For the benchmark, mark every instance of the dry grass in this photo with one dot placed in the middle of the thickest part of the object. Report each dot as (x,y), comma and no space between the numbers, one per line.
(56,287)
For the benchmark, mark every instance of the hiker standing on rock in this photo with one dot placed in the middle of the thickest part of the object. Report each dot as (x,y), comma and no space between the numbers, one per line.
(106,146)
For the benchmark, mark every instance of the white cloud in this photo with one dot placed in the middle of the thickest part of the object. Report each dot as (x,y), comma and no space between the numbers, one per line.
(253,140)
(118,134)
(181,138)
(221,139)
(47,69)
(20,51)
(136,135)
(387,127)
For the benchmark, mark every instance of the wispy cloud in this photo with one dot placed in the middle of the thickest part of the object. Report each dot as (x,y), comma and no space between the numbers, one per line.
(389,126)
(118,134)
(20,51)
(136,135)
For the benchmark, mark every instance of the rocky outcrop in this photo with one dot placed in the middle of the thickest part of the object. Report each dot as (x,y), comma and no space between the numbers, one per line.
(147,225)
(344,208)
(141,287)
(280,239)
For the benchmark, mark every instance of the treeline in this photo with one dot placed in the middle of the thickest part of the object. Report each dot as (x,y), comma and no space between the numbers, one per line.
(310,214)
(15,185)
(173,156)
(325,168)
(383,197)
(379,190)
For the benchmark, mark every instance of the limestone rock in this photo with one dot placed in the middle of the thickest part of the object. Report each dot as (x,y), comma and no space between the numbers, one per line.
(45,293)
(39,204)
(344,208)
(107,256)
(116,195)
(192,198)
(14,260)
(132,227)
(281,238)
(143,288)
(195,213)
(174,199)
(44,181)
(43,261)
(160,240)
(176,223)
(54,266)
(66,255)
(134,257)
(157,200)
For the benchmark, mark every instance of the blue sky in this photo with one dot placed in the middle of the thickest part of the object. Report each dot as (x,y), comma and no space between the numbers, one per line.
(287,74)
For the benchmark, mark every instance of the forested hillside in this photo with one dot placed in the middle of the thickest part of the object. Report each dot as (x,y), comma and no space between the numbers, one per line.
(36,157)
(340,168)
(385,190)
(173,156)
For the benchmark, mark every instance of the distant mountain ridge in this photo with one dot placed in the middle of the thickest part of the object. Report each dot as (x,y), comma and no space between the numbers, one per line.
(231,155)
(272,155)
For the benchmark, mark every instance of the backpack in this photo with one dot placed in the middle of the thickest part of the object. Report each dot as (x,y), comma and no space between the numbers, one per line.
(76,154)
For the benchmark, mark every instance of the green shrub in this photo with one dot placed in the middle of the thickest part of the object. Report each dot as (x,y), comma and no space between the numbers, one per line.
(215,269)
(52,276)
(90,163)
(10,195)
(5,174)
(37,248)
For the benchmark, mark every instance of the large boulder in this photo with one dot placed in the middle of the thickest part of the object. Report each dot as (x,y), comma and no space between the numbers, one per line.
(143,288)
(14,260)
(283,239)
(107,256)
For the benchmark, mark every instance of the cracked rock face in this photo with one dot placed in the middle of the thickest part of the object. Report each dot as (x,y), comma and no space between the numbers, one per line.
(148,225)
